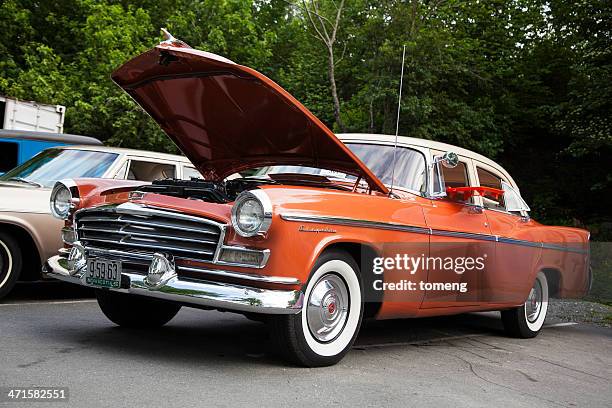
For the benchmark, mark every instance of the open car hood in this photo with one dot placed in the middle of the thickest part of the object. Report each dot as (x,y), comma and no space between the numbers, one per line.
(227,117)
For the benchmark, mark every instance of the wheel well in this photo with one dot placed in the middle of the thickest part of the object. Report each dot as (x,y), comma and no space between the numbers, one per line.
(553,278)
(30,268)
(363,256)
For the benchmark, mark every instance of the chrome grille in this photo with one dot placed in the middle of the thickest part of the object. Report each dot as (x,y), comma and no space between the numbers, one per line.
(131,227)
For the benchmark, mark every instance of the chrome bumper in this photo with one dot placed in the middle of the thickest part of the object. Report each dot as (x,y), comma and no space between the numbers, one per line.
(201,293)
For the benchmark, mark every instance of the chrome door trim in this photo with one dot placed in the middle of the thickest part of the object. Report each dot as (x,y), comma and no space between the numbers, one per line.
(467,235)
(352,222)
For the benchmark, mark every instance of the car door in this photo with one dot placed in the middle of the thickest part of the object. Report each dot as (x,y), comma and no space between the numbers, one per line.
(404,215)
(517,249)
(461,243)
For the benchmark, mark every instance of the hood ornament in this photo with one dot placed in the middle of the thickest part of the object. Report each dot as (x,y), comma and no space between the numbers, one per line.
(170,40)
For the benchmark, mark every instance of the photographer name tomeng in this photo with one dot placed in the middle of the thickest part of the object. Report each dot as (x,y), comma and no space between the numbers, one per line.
(411,264)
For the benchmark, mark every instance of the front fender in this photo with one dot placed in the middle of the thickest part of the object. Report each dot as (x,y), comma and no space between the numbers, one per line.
(43,229)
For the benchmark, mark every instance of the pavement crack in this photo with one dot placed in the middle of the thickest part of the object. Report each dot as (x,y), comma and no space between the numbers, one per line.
(527,376)
(473,371)
(493,346)
(569,368)
(31,363)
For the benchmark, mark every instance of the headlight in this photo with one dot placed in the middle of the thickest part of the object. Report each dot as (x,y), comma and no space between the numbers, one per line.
(252,213)
(62,200)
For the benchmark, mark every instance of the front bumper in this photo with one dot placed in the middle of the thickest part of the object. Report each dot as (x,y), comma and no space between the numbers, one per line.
(216,295)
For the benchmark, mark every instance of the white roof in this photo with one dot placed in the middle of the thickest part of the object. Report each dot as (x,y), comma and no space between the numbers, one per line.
(130,152)
(431,144)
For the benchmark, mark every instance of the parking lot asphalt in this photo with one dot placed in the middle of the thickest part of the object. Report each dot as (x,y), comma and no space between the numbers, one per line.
(54,335)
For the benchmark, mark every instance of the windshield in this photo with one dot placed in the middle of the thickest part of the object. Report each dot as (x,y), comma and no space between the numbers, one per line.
(52,165)
(409,168)
(302,170)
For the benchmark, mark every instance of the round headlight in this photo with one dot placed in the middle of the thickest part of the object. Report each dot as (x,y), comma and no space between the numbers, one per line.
(252,213)
(61,201)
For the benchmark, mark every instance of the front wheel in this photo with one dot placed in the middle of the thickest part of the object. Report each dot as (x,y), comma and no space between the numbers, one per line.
(135,311)
(328,324)
(527,320)
(10,263)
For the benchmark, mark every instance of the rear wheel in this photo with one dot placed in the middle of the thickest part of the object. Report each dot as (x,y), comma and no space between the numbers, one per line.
(10,263)
(135,311)
(328,324)
(527,320)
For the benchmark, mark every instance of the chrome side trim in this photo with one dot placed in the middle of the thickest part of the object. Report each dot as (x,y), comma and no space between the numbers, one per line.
(467,235)
(565,249)
(224,296)
(351,222)
(521,242)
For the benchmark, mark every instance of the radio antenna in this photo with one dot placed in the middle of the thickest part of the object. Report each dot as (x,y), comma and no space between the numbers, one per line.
(399,105)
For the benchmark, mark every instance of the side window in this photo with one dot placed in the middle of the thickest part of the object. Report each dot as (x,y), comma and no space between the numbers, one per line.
(457,176)
(9,154)
(514,202)
(190,172)
(488,179)
(148,171)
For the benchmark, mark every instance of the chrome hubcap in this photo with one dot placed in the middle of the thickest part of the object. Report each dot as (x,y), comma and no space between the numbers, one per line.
(327,308)
(533,305)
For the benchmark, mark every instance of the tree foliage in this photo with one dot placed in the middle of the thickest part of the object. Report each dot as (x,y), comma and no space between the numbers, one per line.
(526,82)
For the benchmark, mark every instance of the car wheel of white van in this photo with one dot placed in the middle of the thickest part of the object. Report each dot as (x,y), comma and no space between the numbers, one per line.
(328,324)
(10,263)
(527,320)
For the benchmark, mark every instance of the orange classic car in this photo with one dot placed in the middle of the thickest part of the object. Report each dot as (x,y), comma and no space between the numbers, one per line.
(325,230)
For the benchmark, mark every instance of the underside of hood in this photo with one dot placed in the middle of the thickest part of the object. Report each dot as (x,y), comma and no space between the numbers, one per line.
(227,117)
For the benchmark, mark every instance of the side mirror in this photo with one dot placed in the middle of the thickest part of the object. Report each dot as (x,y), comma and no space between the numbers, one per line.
(438,187)
(449,160)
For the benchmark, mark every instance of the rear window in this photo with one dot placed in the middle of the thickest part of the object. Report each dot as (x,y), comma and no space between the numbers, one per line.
(488,179)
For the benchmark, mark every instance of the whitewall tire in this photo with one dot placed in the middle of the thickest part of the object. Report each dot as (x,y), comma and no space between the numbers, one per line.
(10,263)
(527,320)
(328,324)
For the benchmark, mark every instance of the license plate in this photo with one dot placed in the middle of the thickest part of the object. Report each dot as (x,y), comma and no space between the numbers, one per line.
(103,273)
